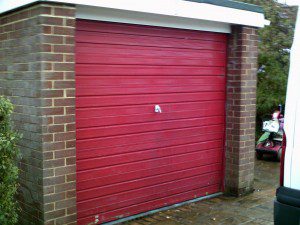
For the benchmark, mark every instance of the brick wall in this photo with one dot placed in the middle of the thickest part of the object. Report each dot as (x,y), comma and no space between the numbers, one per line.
(241,110)
(37,73)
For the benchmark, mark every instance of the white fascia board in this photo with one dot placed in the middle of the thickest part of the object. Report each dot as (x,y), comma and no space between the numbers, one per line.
(173,8)
(185,9)
(124,16)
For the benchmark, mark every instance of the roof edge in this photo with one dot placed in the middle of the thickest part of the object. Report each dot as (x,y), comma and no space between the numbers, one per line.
(232,4)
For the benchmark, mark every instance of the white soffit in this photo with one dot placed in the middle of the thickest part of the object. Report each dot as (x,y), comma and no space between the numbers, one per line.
(141,18)
(168,13)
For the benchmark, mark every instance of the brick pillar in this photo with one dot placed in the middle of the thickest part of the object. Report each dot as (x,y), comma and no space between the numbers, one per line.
(58,96)
(37,74)
(241,110)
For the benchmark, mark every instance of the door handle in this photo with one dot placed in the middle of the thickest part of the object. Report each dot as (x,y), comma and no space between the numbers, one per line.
(157,109)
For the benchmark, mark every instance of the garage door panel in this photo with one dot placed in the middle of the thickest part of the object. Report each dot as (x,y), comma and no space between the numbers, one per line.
(153,167)
(142,51)
(150,136)
(130,90)
(143,199)
(132,40)
(208,108)
(147,31)
(175,196)
(143,70)
(129,158)
(203,179)
(112,81)
(148,99)
(148,61)
(145,182)
(99,162)
(129,147)
(96,132)
(95,180)
(138,118)
(138,168)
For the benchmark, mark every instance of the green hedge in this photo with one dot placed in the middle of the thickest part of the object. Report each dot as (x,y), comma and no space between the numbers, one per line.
(9,155)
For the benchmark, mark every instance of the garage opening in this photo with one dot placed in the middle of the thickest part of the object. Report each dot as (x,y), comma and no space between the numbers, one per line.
(150,117)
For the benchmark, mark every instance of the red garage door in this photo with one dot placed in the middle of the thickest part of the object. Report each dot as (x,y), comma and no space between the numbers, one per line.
(131,159)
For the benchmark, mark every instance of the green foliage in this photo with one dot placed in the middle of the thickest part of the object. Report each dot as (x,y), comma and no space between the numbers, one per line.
(275,43)
(9,154)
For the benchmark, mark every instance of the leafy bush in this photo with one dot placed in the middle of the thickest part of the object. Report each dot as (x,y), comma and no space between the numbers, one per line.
(274,50)
(9,154)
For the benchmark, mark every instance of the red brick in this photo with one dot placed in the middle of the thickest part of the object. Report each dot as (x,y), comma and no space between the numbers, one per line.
(64,136)
(47,29)
(40,10)
(64,102)
(71,144)
(54,163)
(71,177)
(68,12)
(64,153)
(69,58)
(64,49)
(65,203)
(53,75)
(55,214)
(63,31)
(53,111)
(52,93)
(64,84)
(70,110)
(65,170)
(70,22)
(71,127)
(64,66)
(71,92)
(62,188)
(64,119)
(56,128)
(51,20)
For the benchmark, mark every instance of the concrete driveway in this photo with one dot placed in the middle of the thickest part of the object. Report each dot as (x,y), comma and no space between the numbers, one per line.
(256,208)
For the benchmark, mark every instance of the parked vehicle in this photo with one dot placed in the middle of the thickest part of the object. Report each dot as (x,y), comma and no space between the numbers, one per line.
(271,141)
(287,203)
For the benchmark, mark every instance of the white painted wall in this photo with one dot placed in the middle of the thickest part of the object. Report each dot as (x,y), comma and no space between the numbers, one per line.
(292,116)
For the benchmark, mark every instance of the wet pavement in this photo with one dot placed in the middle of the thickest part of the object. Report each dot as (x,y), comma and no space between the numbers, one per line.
(256,208)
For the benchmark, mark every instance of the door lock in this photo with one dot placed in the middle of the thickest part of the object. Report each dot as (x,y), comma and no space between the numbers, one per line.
(157,109)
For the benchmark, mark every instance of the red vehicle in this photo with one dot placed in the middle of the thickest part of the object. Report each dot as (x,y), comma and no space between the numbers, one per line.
(271,141)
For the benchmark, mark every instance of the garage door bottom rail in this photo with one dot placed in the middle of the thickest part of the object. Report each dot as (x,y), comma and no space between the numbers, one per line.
(162,209)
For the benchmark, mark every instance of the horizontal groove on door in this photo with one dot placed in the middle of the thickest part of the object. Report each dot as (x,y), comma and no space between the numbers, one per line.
(126,148)
(143,51)
(95,192)
(143,173)
(97,132)
(151,41)
(142,70)
(130,159)
(193,150)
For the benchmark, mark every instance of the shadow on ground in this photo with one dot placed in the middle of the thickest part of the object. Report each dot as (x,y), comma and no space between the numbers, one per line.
(256,208)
